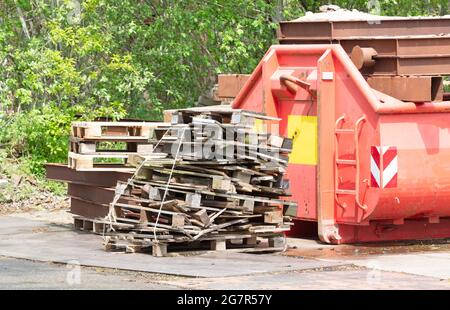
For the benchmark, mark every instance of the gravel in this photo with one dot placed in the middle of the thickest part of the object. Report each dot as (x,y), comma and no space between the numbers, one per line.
(39,201)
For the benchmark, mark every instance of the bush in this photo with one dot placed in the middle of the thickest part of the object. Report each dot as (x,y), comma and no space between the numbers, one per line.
(41,136)
(38,136)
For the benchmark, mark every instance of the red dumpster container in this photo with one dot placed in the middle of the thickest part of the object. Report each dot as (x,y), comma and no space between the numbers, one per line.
(365,166)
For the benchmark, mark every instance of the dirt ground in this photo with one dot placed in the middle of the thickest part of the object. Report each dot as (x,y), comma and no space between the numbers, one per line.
(21,194)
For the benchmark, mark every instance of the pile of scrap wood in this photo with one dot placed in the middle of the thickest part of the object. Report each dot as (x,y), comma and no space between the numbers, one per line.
(214,179)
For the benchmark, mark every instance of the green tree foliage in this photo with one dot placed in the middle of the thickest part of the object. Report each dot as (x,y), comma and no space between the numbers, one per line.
(143,56)
(63,59)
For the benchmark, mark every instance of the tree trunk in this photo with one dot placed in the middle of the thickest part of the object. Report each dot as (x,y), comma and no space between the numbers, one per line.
(22,21)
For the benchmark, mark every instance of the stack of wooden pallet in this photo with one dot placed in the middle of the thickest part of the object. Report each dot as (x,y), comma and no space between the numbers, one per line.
(99,152)
(107,146)
(217,182)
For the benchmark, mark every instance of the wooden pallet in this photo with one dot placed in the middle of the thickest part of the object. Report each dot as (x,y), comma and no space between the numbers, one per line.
(96,226)
(84,162)
(133,243)
(114,130)
(196,195)
(145,242)
(221,114)
(95,148)
(104,227)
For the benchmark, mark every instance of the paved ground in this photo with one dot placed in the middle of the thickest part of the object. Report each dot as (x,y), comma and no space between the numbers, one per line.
(346,278)
(31,244)
(40,241)
(24,274)
(430,259)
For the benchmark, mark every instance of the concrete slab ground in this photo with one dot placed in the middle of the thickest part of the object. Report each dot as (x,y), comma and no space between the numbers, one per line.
(435,265)
(337,278)
(426,258)
(40,241)
(22,274)
(25,274)
(31,244)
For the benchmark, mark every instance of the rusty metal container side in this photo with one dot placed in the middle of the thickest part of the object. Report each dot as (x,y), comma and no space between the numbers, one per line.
(414,55)
(417,88)
(90,192)
(62,173)
(229,85)
(383,46)
(338,29)
(98,195)
(88,209)
(365,166)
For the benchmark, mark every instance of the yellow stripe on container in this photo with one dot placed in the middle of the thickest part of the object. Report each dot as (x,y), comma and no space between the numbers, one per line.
(303,131)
